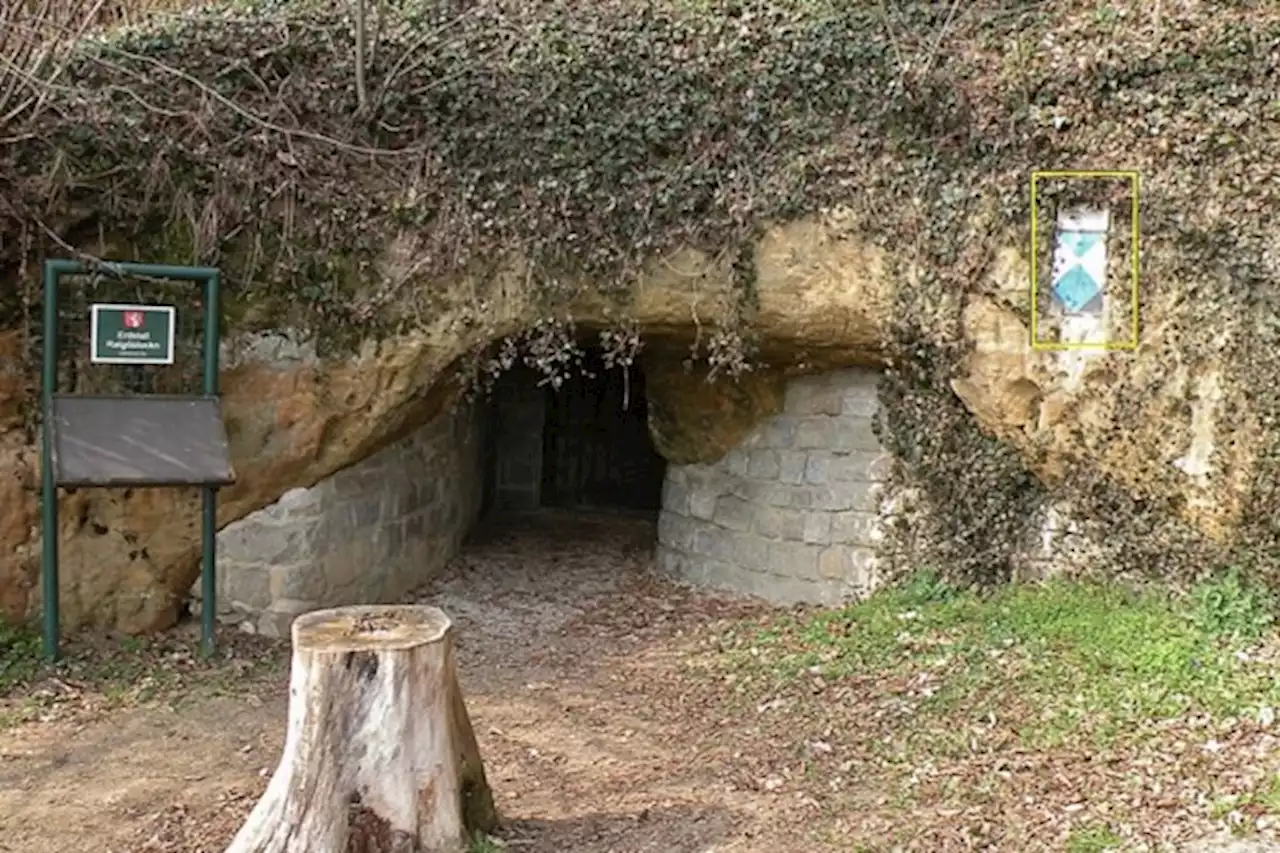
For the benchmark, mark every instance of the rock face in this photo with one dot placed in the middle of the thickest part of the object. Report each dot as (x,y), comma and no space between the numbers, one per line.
(882,223)
(1150,421)
(694,420)
(130,557)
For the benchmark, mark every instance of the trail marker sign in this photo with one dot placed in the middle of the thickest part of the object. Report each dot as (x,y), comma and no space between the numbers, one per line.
(131,334)
(1080,260)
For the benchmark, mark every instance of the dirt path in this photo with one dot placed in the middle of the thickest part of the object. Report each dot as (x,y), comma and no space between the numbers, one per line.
(571,663)
(621,714)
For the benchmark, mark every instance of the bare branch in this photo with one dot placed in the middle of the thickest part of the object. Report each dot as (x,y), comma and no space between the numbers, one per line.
(35,48)
(256,119)
(362,92)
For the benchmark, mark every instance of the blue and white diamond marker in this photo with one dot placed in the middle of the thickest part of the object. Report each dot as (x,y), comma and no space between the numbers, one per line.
(1080,260)
(1075,289)
(1079,242)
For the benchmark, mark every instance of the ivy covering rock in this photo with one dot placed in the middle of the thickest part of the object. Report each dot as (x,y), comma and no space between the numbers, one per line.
(589,138)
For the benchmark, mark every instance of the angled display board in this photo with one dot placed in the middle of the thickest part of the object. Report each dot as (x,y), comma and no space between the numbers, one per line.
(139,441)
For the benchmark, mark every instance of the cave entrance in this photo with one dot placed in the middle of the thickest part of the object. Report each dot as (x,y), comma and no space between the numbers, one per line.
(582,446)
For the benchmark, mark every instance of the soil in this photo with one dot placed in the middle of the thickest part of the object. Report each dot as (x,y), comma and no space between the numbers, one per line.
(609,724)
(570,655)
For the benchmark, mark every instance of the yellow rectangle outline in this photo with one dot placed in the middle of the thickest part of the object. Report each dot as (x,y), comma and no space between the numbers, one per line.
(1132,343)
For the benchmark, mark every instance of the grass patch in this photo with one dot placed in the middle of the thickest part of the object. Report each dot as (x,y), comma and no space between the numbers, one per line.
(19,655)
(1240,811)
(1093,839)
(1063,657)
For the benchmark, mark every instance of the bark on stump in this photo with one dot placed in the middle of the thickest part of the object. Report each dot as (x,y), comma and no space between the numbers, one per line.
(379,756)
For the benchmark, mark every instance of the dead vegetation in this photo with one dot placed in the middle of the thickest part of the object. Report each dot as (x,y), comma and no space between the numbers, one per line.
(38,36)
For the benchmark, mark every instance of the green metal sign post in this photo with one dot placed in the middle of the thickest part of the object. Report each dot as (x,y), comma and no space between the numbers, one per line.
(139,441)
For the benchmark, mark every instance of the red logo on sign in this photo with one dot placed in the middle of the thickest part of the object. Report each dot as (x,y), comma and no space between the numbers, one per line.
(133,319)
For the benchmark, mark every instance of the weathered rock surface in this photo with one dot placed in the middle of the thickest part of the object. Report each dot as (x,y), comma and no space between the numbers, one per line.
(540,165)
(696,420)
(129,557)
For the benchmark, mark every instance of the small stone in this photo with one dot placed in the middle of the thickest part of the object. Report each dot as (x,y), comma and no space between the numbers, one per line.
(764,465)
(834,562)
(791,466)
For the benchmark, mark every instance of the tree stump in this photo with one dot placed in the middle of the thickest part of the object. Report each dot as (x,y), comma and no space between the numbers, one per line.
(379,756)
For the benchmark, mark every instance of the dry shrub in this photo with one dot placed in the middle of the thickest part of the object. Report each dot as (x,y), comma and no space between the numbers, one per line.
(37,36)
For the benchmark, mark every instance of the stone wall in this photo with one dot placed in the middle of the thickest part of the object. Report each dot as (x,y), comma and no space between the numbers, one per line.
(791,514)
(369,533)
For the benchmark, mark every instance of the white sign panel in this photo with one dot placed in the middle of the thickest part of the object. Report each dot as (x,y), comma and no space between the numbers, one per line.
(1080,260)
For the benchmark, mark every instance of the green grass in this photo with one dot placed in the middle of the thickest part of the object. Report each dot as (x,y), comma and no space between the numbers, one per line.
(19,655)
(1268,796)
(1093,839)
(1066,657)
(1263,800)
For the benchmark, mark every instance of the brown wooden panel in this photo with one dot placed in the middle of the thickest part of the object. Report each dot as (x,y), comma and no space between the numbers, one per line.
(139,441)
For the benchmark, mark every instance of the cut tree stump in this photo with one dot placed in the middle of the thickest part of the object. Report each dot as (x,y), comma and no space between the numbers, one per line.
(379,756)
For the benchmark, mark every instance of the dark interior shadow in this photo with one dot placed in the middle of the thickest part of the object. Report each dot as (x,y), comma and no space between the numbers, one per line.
(675,829)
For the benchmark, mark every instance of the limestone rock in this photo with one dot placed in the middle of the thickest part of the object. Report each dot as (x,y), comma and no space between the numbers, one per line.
(19,548)
(1146,420)
(823,291)
(997,388)
(129,557)
(696,420)
(13,382)
(1151,421)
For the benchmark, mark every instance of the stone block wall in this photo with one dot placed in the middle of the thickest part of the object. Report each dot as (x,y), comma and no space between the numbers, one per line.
(791,515)
(369,533)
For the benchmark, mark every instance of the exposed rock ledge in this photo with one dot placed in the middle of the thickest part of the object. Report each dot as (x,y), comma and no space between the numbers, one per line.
(823,299)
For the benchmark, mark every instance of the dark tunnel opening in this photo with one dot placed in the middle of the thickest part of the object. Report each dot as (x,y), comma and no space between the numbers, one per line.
(582,446)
